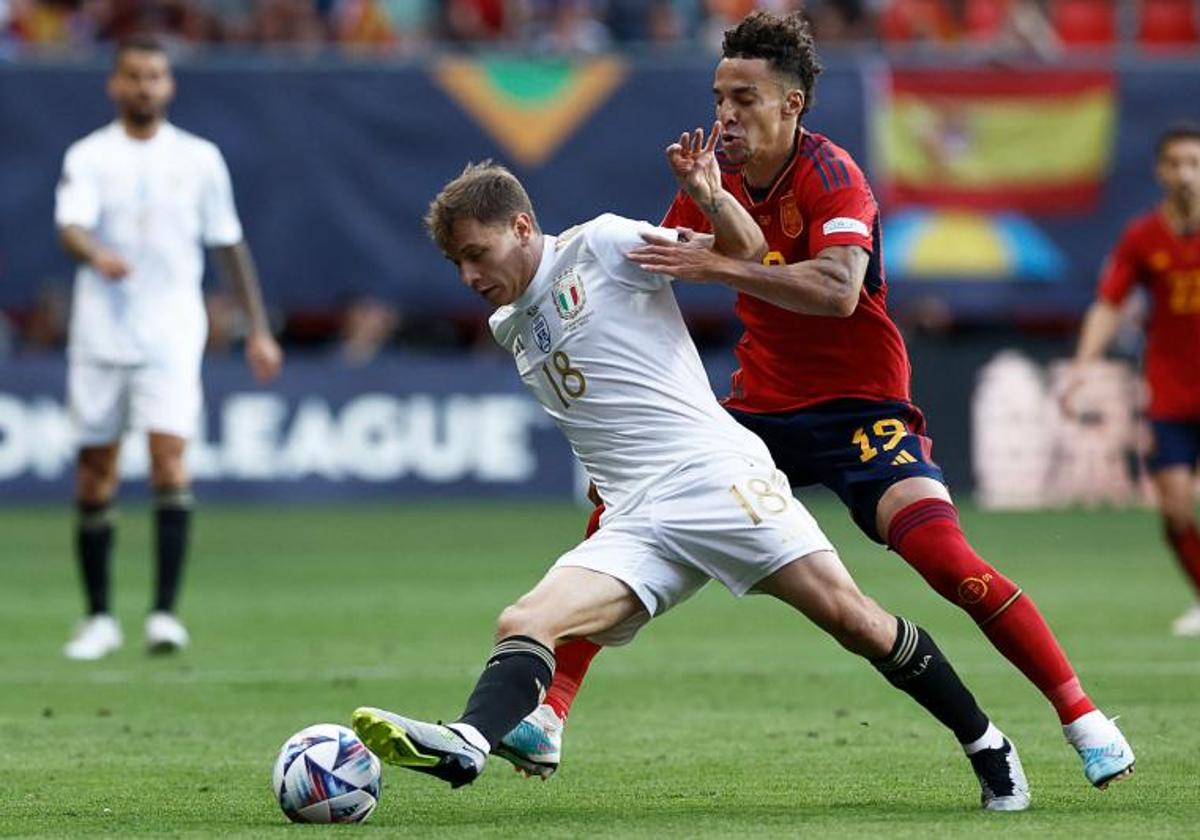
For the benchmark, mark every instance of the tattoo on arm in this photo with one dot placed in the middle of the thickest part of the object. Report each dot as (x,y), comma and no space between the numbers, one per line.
(236,265)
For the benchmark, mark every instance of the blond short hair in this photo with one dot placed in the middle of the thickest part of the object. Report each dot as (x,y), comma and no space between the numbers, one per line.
(486,192)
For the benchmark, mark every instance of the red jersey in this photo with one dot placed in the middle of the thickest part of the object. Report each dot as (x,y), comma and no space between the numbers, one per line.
(1168,265)
(788,360)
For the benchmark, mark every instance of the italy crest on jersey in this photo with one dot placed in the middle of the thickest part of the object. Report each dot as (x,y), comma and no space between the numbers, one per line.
(541,333)
(569,297)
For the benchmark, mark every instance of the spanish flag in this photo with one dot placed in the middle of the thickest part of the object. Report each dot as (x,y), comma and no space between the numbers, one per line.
(996,139)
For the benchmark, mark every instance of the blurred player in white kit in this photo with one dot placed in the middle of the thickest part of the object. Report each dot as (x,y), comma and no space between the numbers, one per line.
(138,201)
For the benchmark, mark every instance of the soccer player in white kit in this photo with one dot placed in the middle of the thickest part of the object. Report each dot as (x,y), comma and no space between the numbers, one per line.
(138,201)
(691,494)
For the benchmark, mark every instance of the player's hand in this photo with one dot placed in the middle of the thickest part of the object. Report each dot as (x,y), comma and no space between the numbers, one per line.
(682,260)
(264,356)
(1068,390)
(693,162)
(109,265)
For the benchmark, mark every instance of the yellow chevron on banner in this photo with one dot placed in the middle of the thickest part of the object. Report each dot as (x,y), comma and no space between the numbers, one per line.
(529,107)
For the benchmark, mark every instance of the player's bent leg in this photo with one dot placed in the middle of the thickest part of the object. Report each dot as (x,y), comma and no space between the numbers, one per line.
(821,588)
(922,526)
(568,601)
(1176,503)
(575,656)
(534,746)
(96,483)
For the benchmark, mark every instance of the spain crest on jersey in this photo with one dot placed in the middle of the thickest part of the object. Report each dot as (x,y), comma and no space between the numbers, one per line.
(790,218)
(568,294)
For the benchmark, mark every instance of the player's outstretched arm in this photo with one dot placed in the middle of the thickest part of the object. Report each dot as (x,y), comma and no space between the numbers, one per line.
(693,162)
(828,285)
(236,265)
(80,245)
(1100,325)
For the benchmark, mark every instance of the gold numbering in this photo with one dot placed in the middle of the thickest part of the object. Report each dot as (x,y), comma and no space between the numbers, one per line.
(766,499)
(892,429)
(570,379)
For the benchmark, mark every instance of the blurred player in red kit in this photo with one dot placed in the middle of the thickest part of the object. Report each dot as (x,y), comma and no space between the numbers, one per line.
(823,375)
(1160,251)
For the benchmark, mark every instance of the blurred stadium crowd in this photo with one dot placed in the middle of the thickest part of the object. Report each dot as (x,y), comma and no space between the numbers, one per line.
(1043,27)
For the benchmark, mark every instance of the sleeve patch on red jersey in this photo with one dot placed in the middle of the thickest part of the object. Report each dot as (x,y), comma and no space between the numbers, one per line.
(844,225)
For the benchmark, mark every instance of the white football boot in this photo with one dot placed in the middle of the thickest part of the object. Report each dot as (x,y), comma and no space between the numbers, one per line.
(535,746)
(95,638)
(1187,624)
(165,633)
(1002,782)
(1107,756)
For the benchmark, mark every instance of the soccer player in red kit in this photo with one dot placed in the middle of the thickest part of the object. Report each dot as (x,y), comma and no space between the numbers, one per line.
(823,374)
(1161,252)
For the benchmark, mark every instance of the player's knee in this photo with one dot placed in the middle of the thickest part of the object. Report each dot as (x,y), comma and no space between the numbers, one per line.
(96,482)
(168,472)
(1178,518)
(514,620)
(862,626)
(527,619)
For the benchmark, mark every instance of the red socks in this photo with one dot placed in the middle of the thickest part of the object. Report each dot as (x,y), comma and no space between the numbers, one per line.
(1186,545)
(571,661)
(928,536)
(572,658)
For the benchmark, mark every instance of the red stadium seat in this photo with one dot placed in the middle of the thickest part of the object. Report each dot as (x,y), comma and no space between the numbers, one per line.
(985,18)
(916,20)
(1085,23)
(1167,24)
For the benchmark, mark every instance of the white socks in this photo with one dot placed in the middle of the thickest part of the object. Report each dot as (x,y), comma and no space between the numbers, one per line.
(1090,730)
(991,739)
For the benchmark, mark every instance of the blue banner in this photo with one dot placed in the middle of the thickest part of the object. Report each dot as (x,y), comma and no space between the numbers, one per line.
(334,164)
(323,431)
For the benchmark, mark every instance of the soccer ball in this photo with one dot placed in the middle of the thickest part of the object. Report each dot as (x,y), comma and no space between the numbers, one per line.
(324,774)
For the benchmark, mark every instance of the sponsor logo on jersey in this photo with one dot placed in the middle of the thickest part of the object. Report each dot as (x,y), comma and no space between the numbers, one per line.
(541,333)
(568,294)
(790,218)
(844,225)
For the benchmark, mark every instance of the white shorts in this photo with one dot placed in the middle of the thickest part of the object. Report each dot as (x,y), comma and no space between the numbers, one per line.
(729,519)
(107,400)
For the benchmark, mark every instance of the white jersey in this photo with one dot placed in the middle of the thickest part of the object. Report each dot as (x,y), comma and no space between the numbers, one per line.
(155,203)
(603,347)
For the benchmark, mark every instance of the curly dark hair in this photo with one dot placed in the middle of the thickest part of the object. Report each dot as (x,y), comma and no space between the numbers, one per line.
(786,43)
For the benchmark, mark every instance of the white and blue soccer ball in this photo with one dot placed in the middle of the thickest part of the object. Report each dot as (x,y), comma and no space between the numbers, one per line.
(325,774)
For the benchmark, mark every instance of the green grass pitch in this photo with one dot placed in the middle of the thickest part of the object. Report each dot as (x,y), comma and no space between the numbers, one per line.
(725,718)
